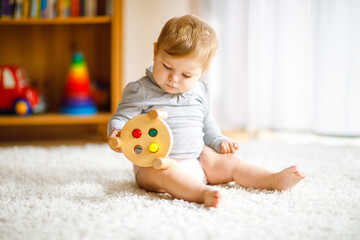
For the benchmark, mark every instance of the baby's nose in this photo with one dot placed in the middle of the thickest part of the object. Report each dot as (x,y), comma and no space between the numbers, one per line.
(173,77)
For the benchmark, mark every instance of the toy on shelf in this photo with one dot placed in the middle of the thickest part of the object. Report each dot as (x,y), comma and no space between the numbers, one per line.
(146,140)
(77,99)
(101,94)
(17,96)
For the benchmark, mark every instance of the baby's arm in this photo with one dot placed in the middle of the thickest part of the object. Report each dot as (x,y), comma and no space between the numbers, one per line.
(131,105)
(214,138)
(212,134)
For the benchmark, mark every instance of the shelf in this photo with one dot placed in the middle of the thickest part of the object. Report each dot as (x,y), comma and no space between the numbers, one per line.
(57,21)
(44,47)
(53,119)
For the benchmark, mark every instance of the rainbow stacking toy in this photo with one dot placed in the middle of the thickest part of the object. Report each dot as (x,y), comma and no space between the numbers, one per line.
(77,99)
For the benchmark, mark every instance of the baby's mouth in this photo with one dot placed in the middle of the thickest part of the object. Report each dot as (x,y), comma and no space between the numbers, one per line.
(171,87)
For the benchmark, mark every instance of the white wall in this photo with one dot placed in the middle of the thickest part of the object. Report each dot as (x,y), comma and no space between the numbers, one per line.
(143,21)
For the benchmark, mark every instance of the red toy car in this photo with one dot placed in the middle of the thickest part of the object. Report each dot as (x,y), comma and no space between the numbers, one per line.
(16,95)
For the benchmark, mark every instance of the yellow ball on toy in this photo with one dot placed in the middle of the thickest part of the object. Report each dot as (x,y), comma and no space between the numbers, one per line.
(154,147)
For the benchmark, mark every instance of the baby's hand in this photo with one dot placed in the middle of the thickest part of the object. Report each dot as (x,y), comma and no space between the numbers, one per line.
(229,147)
(115,133)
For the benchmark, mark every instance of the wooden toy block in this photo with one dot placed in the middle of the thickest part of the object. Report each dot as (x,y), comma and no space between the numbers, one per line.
(146,140)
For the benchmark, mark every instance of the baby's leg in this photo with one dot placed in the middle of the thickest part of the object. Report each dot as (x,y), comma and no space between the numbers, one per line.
(222,168)
(178,184)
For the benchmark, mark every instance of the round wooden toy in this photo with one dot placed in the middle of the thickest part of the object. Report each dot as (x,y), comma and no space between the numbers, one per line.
(146,140)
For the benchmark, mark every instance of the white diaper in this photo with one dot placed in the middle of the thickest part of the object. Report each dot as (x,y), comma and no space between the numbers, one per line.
(190,166)
(193,168)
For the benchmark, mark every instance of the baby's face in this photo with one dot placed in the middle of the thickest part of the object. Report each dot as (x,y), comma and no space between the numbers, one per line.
(176,75)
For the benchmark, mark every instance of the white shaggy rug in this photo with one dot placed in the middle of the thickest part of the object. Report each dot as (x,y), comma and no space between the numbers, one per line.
(89,192)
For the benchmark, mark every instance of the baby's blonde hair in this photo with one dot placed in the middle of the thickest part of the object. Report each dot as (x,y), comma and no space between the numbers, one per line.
(188,35)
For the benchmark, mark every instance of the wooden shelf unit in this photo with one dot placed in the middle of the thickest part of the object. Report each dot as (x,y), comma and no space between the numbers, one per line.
(54,119)
(44,47)
(57,20)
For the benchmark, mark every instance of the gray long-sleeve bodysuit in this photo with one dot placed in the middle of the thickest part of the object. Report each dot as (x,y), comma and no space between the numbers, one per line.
(188,114)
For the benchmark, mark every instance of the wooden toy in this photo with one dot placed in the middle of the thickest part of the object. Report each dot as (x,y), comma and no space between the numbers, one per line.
(146,140)
(17,96)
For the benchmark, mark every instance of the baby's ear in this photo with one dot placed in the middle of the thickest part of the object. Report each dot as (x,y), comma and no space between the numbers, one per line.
(155,52)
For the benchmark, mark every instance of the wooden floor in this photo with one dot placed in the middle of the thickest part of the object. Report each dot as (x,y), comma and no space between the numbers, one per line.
(240,135)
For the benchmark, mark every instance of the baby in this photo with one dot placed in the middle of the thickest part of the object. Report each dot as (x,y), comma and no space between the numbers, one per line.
(202,155)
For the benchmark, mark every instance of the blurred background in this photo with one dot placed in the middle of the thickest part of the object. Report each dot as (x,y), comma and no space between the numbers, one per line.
(285,65)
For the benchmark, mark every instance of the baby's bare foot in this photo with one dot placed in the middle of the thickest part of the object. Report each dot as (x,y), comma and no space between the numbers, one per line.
(288,178)
(212,198)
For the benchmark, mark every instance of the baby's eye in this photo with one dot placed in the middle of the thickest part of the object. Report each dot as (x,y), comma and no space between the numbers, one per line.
(167,67)
(186,76)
